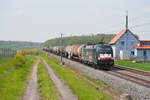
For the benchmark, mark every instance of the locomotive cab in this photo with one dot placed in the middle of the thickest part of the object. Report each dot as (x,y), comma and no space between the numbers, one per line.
(105,56)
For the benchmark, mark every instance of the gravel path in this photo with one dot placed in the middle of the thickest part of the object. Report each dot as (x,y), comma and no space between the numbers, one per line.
(32,87)
(64,90)
(136,91)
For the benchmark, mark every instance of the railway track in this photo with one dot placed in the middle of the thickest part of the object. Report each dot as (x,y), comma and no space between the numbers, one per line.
(140,72)
(131,78)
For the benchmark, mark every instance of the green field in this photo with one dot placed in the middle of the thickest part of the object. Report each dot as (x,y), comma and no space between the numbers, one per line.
(141,66)
(47,88)
(83,89)
(13,80)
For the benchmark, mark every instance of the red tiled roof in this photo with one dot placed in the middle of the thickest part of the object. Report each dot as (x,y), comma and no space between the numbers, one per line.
(142,47)
(144,41)
(117,37)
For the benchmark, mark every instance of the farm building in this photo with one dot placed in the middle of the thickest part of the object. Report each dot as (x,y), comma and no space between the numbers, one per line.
(123,44)
(142,52)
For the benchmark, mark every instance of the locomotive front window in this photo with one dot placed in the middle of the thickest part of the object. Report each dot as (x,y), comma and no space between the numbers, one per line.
(104,50)
(107,49)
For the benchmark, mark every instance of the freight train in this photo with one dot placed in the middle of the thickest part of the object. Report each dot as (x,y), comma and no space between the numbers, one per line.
(98,55)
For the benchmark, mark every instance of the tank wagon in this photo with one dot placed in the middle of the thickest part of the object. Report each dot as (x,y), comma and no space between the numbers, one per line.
(74,51)
(97,55)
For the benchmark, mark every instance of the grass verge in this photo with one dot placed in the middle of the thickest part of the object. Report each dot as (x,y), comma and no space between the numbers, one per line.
(6,66)
(47,88)
(102,84)
(141,66)
(13,80)
(83,89)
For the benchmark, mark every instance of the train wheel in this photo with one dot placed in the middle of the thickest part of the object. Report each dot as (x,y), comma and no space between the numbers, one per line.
(96,67)
(101,67)
(93,65)
(81,61)
(111,67)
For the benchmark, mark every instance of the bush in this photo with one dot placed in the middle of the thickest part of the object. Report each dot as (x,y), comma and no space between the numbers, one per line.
(29,52)
(19,60)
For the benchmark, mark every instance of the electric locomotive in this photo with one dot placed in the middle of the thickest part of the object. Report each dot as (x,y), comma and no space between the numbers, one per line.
(100,55)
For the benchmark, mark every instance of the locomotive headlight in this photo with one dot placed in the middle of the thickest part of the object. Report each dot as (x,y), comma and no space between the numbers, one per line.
(102,55)
(105,55)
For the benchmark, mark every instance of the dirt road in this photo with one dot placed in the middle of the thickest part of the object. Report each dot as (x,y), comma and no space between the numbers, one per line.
(32,87)
(64,90)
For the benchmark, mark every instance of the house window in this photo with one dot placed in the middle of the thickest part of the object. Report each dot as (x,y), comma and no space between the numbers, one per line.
(132,52)
(132,42)
(122,42)
(143,43)
(144,54)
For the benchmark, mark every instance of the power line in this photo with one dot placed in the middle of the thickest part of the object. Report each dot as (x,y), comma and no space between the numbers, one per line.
(140,25)
(117,27)
(143,31)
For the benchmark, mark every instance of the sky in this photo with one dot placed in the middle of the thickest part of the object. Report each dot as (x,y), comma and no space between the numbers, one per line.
(40,20)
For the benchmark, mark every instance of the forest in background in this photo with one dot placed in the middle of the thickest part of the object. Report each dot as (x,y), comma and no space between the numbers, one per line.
(80,40)
(17,45)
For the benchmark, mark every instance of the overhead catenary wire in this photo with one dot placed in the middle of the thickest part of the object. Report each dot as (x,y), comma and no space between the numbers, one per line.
(114,29)
(140,25)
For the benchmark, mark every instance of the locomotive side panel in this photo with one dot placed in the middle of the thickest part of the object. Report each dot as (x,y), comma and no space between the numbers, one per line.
(89,55)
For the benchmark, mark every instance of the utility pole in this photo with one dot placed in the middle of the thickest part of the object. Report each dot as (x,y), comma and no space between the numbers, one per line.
(126,20)
(93,38)
(61,48)
(126,28)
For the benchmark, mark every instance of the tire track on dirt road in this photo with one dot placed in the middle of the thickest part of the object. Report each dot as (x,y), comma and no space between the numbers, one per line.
(64,90)
(32,88)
